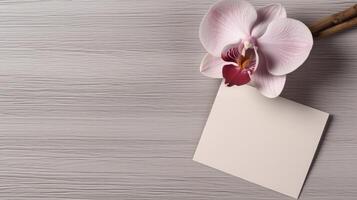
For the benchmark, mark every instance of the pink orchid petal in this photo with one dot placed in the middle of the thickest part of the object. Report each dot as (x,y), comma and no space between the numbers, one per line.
(287,44)
(235,75)
(269,85)
(265,16)
(227,22)
(211,66)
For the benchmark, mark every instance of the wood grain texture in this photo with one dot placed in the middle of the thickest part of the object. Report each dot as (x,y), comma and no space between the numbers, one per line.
(103,100)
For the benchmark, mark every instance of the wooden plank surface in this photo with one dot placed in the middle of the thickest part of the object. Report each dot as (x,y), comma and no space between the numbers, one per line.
(103,100)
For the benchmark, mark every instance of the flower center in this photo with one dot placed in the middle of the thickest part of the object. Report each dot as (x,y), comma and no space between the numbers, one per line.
(243,55)
(244,61)
(247,57)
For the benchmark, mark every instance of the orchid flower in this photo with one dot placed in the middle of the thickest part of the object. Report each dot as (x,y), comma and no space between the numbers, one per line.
(255,47)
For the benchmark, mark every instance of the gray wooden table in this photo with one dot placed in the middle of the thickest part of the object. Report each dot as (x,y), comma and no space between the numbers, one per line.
(103,100)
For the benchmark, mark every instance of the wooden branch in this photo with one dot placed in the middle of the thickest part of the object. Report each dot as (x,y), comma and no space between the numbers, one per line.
(338,28)
(333,20)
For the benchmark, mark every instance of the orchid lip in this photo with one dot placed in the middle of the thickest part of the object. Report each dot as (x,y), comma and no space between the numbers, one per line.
(243,60)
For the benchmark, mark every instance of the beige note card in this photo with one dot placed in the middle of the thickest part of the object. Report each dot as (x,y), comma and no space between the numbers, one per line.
(269,142)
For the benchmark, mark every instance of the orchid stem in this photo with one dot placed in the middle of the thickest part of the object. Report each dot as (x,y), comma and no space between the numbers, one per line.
(335,23)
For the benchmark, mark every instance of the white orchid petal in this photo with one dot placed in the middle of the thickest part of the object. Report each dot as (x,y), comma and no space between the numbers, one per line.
(211,66)
(287,44)
(269,85)
(265,16)
(227,22)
